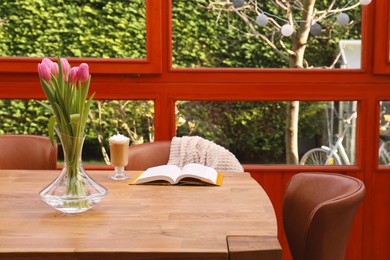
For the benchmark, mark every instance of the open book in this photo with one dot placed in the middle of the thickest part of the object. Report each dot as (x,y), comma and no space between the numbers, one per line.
(191,173)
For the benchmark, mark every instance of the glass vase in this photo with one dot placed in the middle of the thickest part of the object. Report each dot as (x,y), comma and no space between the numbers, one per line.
(73,191)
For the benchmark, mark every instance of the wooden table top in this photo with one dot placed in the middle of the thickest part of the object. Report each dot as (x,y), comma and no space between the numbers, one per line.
(141,221)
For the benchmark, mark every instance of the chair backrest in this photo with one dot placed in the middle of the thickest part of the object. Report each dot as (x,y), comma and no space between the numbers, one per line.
(318,211)
(27,152)
(146,155)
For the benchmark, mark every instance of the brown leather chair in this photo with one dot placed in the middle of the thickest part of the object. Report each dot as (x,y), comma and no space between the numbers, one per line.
(318,211)
(146,155)
(27,152)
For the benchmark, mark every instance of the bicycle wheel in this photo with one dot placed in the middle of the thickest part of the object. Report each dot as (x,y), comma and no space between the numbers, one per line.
(319,156)
(383,160)
(384,156)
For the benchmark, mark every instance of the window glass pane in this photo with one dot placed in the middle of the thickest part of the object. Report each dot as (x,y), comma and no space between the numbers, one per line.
(87,28)
(384,137)
(227,34)
(388,37)
(255,131)
(106,118)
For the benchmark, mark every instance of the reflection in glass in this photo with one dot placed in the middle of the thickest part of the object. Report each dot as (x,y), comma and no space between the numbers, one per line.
(384,136)
(97,29)
(255,131)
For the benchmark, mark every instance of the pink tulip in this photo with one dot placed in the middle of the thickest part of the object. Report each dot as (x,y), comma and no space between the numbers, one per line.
(52,66)
(54,69)
(73,75)
(65,67)
(83,72)
(47,61)
(44,70)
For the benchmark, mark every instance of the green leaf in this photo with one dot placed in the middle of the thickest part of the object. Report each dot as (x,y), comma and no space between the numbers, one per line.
(60,76)
(84,115)
(75,122)
(46,106)
(50,128)
(62,121)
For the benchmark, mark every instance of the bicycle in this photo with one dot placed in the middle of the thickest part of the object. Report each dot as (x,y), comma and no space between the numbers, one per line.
(384,156)
(330,155)
(384,138)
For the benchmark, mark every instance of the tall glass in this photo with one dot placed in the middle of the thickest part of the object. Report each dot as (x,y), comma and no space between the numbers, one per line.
(119,152)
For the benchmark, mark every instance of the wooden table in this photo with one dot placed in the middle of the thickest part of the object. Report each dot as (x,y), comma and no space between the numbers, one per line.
(138,221)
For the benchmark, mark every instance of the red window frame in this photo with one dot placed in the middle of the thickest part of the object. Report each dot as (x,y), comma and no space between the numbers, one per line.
(382,38)
(152,63)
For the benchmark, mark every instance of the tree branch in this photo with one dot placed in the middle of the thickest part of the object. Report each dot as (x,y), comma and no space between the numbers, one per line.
(325,13)
(280,4)
(261,36)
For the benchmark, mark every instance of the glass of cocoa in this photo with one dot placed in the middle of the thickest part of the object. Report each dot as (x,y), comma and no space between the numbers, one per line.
(119,150)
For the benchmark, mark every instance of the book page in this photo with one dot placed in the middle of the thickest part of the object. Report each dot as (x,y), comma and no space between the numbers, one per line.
(199,171)
(167,173)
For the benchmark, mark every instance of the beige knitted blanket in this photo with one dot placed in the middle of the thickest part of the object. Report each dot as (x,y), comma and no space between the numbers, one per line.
(195,149)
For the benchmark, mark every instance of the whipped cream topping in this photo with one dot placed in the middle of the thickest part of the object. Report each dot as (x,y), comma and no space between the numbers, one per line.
(119,139)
